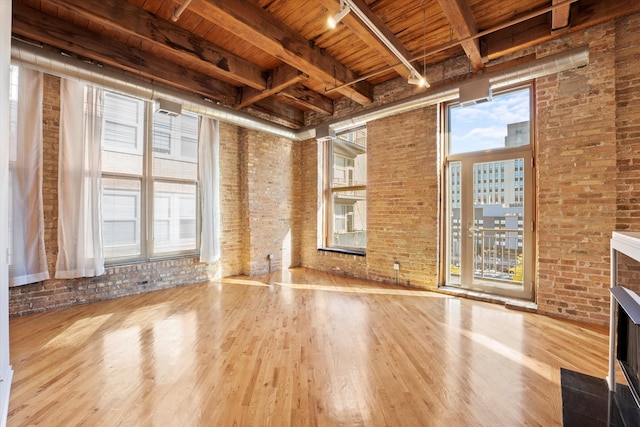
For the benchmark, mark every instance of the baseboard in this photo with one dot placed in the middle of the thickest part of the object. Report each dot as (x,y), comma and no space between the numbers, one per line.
(5,390)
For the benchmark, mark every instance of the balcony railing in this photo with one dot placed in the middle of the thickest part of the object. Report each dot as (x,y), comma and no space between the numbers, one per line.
(497,253)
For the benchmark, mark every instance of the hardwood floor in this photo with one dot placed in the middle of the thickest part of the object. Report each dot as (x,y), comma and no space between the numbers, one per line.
(308,349)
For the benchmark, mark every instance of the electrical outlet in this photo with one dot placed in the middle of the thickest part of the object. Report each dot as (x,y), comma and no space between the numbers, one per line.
(270,256)
(396,265)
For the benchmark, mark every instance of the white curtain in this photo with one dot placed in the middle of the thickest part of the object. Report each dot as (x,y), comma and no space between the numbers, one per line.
(79,173)
(28,255)
(208,147)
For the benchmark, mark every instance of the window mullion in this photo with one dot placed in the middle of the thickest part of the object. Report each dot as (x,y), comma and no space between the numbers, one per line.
(147,181)
(328,226)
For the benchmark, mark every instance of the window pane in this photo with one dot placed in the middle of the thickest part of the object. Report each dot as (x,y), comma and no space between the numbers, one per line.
(503,122)
(175,208)
(345,218)
(349,161)
(123,132)
(349,219)
(121,217)
(175,146)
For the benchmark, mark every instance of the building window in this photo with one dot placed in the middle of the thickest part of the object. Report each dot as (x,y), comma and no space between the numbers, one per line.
(150,181)
(345,191)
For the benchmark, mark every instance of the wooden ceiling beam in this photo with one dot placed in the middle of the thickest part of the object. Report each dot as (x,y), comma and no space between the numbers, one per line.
(279,78)
(358,28)
(281,112)
(253,24)
(308,99)
(168,38)
(560,16)
(587,13)
(30,23)
(462,22)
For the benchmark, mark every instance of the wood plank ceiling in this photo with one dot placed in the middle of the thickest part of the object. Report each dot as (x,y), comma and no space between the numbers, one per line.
(280,58)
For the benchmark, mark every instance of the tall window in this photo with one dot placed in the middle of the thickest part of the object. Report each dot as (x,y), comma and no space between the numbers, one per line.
(345,191)
(150,181)
(489,207)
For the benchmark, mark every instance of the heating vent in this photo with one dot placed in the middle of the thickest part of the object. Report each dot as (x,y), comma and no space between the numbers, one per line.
(475,93)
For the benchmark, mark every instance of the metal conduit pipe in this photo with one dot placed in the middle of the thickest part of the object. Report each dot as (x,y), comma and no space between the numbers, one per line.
(574,58)
(51,62)
(179,10)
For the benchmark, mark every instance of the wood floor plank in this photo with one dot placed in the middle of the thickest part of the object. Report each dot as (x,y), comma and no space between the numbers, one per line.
(299,348)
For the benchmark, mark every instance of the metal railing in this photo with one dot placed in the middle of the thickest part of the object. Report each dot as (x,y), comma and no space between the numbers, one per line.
(497,253)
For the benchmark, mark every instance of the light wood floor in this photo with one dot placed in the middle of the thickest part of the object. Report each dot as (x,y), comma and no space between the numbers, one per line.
(309,349)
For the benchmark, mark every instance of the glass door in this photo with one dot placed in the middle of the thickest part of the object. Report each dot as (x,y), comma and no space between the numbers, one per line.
(489,236)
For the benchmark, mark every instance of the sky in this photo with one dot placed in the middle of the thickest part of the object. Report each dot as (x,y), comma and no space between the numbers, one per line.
(484,126)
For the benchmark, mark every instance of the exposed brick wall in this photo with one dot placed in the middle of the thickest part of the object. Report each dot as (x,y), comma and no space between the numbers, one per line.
(116,282)
(270,184)
(50,148)
(231,201)
(577,179)
(402,198)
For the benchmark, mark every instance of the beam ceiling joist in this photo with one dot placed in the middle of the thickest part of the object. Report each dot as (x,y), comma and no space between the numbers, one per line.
(587,13)
(260,28)
(167,37)
(308,99)
(560,17)
(282,113)
(30,23)
(279,79)
(358,28)
(461,20)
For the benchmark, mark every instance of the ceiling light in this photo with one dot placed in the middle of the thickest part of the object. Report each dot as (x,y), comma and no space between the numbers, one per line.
(333,20)
(414,77)
(417,80)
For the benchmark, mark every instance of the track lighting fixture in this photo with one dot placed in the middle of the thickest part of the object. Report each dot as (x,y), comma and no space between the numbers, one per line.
(417,80)
(344,9)
(347,6)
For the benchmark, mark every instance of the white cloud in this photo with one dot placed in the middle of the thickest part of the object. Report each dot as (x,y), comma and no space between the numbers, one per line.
(484,126)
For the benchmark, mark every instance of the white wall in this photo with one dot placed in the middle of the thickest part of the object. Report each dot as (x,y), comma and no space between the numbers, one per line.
(5,60)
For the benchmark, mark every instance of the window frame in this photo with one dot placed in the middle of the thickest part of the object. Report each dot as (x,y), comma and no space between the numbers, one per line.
(523,156)
(329,190)
(148,180)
